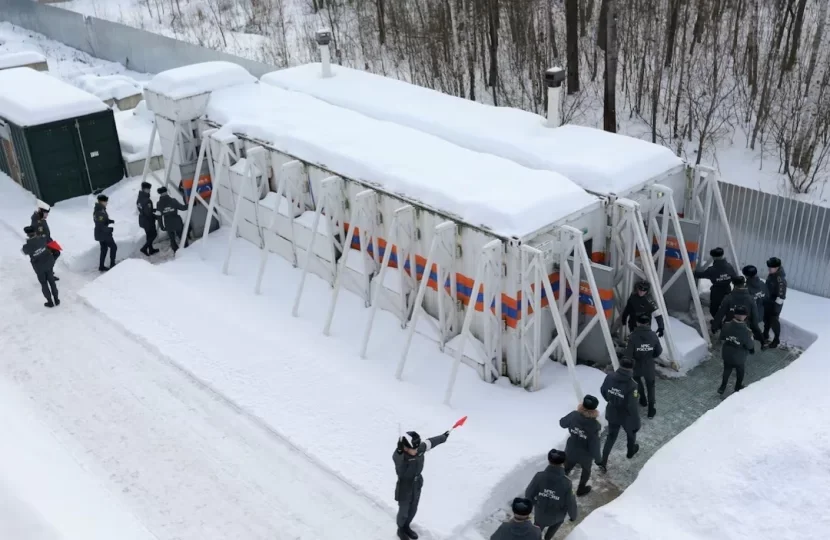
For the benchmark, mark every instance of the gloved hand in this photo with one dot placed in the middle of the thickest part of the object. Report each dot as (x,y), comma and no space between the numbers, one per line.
(660,332)
(400,446)
(752,351)
(447,433)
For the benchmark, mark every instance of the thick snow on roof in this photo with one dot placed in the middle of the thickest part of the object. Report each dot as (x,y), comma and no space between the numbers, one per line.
(479,189)
(108,86)
(598,161)
(31,98)
(196,79)
(23,58)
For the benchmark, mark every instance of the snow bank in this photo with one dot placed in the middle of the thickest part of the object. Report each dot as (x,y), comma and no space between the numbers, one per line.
(316,392)
(598,161)
(196,79)
(44,492)
(690,346)
(71,221)
(31,98)
(18,59)
(106,87)
(757,467)
(481,190)
(134,130)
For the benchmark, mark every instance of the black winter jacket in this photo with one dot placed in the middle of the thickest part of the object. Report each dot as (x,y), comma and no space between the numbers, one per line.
(103,231)
(552,495)
(720,273)
(513,530)
(40,256)
(169,209)
(41,227)
(409,468)
(638,305)
(758,289)
(146,216)
(738,297)
(737,343)
(643,347)
(620,391)
(776,291)
(583,443)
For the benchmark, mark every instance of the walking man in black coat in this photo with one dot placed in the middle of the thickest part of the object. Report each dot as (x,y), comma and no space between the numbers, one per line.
(640,303)
(583,444)
(42,262)
(147,219)
(171,222)
(756,287)
(620,391)
(103,232)
(739,296)
(520,527)
(552,494)
(409,463)
(643,348)
(42,228)
(720,273)
(776,294)
(737,343)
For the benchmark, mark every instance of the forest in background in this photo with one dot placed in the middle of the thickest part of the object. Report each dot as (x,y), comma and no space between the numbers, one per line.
(691,73)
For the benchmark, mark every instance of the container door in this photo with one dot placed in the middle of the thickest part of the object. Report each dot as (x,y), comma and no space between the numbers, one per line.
(57,162)
(101,149)
(8,161)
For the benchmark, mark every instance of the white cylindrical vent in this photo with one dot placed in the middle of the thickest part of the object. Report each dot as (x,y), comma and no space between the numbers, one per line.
(554,77)
(323,42)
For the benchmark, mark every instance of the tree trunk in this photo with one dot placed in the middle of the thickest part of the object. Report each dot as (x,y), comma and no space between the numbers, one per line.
(811,68)
(671,35)
(610,108)
(381,7)
(572,30)
(602,25)
(797,30)
(493,22)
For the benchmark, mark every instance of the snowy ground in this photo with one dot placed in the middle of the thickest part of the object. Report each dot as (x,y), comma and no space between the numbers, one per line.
(179,457)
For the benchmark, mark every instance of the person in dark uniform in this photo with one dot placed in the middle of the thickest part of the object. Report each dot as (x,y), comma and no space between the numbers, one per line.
(737,343)
(147,219)
(720,273)
(171,222)
(103,232)
(409,463)
(739,296)
(638,303)
(776,294)
(42,229)
(583,443)
(643,347)
(42,262)
(620,391)
(552,494)
(520,526)
(757,288)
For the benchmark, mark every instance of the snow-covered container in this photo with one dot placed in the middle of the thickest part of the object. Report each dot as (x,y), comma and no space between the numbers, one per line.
(134,130)
(29,59)
(178,97)
(487,197)
(114,90)
(58,141)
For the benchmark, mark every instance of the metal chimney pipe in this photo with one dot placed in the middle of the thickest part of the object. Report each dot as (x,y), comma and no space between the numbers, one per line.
(323,41)
(554,77)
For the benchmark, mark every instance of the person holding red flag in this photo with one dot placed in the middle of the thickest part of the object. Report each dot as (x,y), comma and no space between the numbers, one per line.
(41,228)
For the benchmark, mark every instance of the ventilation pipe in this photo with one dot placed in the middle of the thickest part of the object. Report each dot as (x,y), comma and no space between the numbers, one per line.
(323,40)
(554,77)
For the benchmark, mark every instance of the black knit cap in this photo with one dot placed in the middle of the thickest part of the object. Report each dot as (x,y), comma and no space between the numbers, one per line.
(773,262)
(146,185)
(556,457)
(741,310)
(522,506)
(644,318)
(103,198)
(161,190)
(749,271)
(590,402)
(739,281)
(626,363)
(717,252)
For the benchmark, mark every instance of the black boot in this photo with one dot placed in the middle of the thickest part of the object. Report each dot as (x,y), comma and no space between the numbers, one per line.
(410,533)
(774,344)
(56,278)
(643,401)
(49,304)
(144,251)
(582,491)
(402,535)
(153,251)
(603,467)
(57,302)
(721,390)
(652,412)
(102,269)
(633,452)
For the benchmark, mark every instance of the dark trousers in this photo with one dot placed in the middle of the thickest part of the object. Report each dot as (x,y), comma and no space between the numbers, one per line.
(175,235)
(408,505)
(47,284)
(646,391)
(727,372)
(151,233)
(550,531)
(613,432)
(107,245)
(715,299)
(771,322)
(586,470)
(55,253)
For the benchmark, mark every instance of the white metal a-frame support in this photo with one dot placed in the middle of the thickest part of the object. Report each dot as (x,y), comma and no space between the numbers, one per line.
(332,204)
(363,216)
(706,186)
(571,241)
(290,181)
(402,240)
(628,236)
(534,278)
(662,199)
(256,167)
(487,279)
(442,255)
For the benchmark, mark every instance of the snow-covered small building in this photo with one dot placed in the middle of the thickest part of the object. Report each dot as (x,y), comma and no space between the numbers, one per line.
(115,90)
(29,59)
(58,141)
